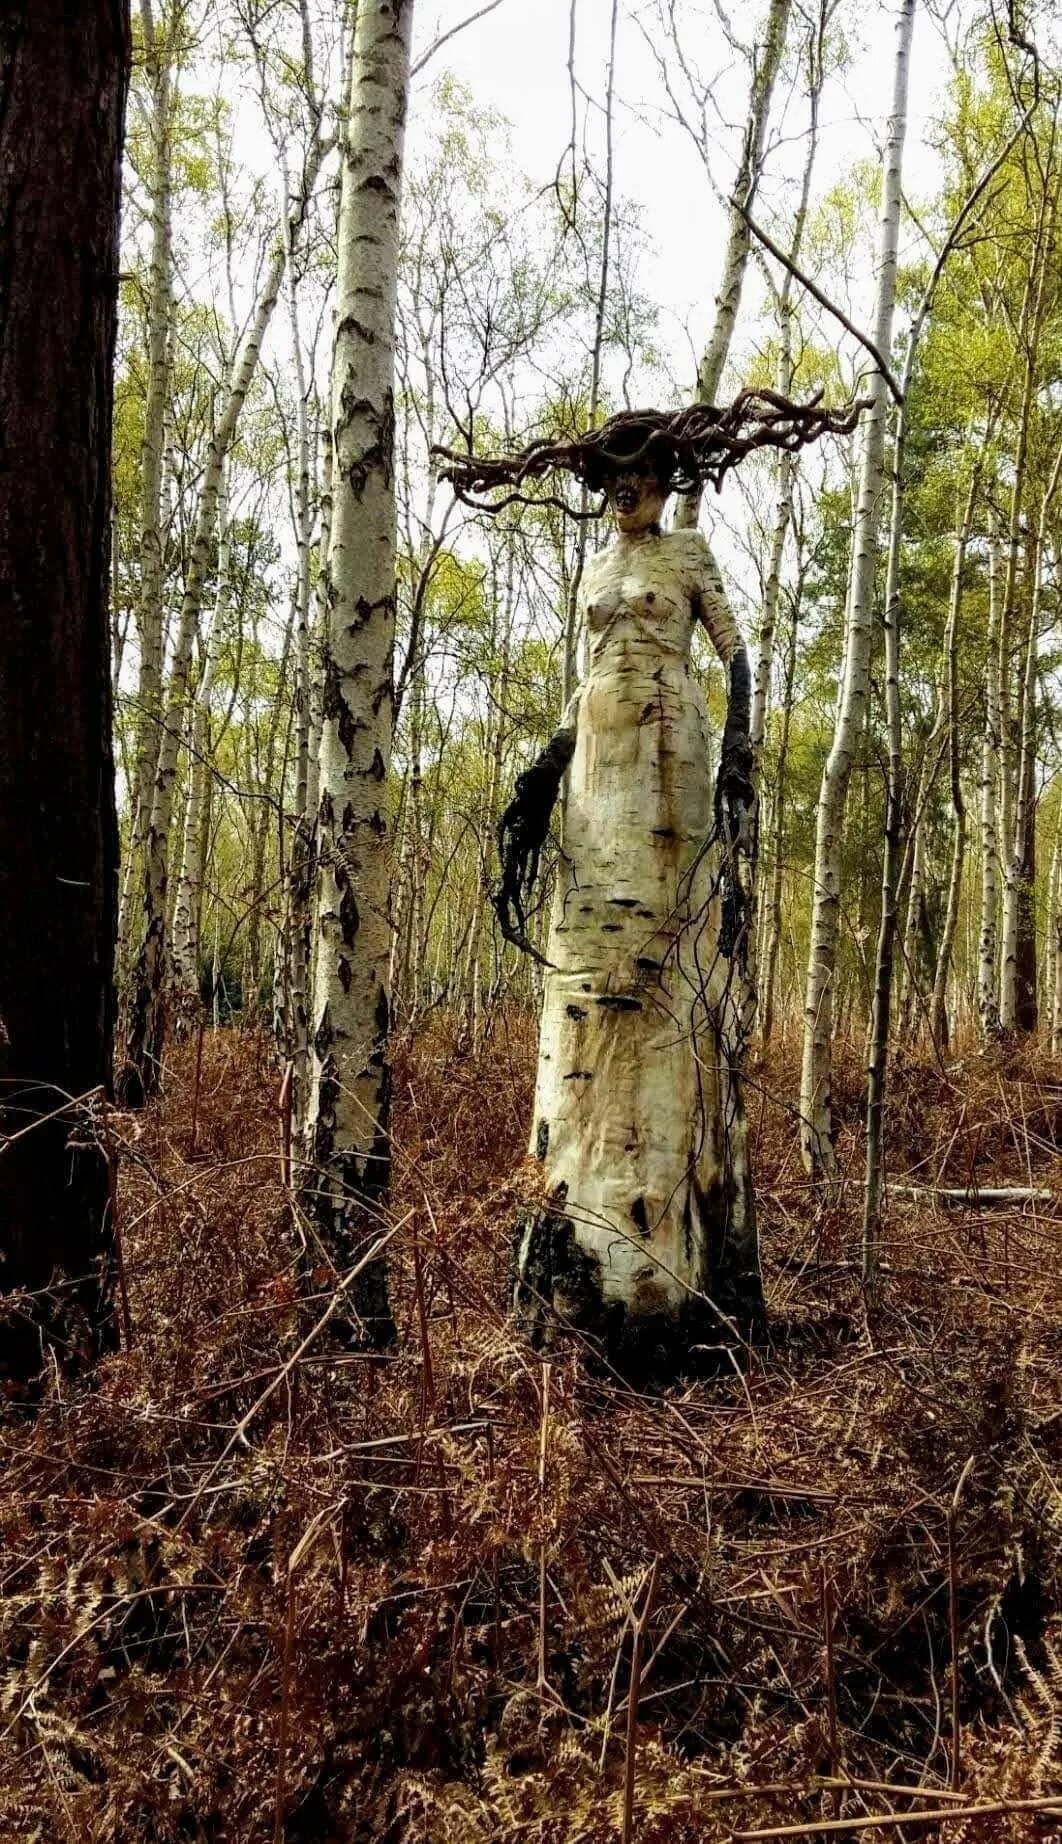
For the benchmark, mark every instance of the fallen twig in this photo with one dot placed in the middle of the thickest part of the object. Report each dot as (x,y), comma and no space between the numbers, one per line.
(880,1821)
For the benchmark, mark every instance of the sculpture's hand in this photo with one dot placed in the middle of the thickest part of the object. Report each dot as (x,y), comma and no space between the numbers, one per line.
(735,795)
(522,832)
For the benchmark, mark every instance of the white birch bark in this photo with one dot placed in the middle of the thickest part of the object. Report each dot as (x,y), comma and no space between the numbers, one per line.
(296,949)
(785,472)
(938,1012)
(571,616)
(736,255)
(149,614)
(910,990)
(322,602)
(145,1031)
(1029,329)
(189,890)
(776,853)
(881,1002)
(349,1117)
(1054,942)
(987,993)
(1017,894)
(816,1144)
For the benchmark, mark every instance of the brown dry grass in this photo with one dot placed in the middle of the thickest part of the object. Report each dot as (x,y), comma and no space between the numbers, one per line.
(382,1525)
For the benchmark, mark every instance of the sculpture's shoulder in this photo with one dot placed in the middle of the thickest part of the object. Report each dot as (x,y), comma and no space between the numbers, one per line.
(705,581)
(690,553)
(593,570)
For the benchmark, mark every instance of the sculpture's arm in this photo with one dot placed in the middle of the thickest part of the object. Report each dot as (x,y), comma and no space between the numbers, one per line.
(522,832)
(735,797)
(735,794)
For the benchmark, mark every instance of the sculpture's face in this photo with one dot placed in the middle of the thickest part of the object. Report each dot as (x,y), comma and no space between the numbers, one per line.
(637,499)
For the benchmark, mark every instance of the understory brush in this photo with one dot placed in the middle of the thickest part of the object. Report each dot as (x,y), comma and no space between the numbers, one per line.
(256,1584)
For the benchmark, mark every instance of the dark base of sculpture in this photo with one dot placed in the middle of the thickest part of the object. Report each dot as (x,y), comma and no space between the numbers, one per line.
(559,1303)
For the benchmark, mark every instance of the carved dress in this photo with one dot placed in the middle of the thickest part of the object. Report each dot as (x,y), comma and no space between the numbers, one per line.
(638,1117)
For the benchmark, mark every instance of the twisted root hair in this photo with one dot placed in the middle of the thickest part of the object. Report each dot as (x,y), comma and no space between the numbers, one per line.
(686,449)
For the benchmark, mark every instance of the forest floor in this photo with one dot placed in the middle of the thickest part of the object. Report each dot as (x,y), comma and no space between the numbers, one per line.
(255,1586)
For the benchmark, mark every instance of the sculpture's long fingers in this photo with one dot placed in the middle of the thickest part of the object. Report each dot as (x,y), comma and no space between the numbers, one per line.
(515,930)
(519,940)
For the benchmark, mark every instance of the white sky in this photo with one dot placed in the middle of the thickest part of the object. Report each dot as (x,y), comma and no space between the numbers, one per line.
(515,61)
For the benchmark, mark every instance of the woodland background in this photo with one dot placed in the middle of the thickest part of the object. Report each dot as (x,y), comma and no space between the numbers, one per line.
(259,1586)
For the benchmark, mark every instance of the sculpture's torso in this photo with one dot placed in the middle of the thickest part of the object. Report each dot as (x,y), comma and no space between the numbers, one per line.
(638,598)
(630,1094)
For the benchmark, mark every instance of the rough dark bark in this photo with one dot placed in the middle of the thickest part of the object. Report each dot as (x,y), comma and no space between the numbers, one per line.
(63,74)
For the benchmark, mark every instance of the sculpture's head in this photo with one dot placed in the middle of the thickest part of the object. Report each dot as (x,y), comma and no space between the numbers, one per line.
(636,500)
(635,476)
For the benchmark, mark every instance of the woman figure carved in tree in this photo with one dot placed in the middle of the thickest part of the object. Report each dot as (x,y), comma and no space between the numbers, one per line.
(646,1244)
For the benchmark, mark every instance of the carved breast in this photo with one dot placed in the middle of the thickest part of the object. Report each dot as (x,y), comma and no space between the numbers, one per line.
(638,593)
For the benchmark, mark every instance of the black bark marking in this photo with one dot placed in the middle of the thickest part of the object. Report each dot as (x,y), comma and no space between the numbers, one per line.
(382,1018)
(323,1036)
(579,1075)
(542,1139)
(576,1011)
(335,707)
(365,610)
(349,918)
(640,1216)
(385,691)
(619,1002)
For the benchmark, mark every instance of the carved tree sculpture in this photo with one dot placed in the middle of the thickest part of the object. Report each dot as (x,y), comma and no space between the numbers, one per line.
(646,1244)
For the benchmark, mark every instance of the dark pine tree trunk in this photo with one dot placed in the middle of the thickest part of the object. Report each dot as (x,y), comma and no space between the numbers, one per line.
(63,74)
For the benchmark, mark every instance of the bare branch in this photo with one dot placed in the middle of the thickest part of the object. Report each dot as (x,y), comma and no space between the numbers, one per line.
(445,37)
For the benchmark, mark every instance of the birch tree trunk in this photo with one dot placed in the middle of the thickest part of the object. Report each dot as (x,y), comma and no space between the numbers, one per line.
(938,1013)
(262,816)
(189,884)
(1018,999)
(349,1121)
(783,519)
(1010,821)
(1054,942)
(152,453)
(816,1143)
(63,74)
(145,1025)
(881,1001)
(296,1034)
(785,475)
(736,255)
(987,990)
(571,617)
(776,854)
